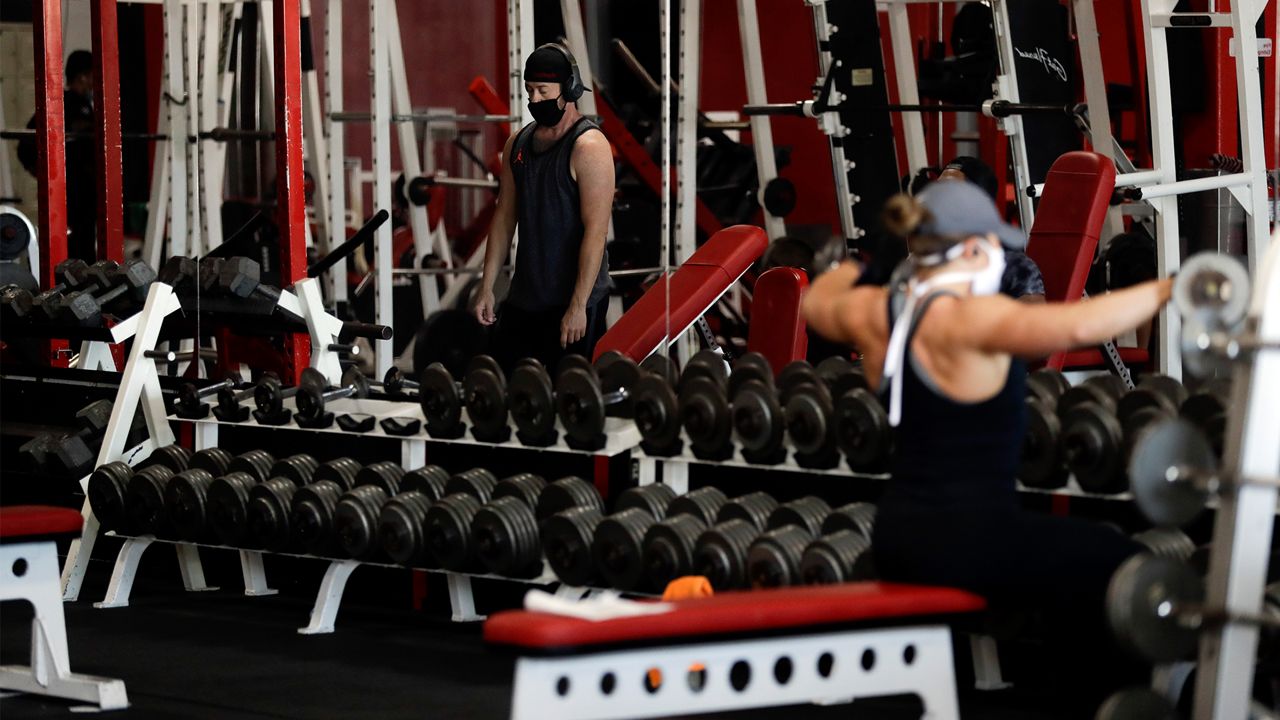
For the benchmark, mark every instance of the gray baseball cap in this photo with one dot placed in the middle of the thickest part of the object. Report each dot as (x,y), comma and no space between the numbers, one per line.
(961,209)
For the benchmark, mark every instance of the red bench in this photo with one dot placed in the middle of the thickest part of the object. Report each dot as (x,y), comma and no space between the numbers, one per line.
(778,330)
(29,562)
(695,287)
(739,650)
(1064,239)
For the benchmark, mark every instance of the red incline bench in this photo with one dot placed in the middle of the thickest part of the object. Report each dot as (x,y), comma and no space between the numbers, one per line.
(29,564)
(739,650)
(695,286)
(1064,239)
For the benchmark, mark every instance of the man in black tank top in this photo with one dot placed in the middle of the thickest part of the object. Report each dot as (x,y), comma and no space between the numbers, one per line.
(557,189)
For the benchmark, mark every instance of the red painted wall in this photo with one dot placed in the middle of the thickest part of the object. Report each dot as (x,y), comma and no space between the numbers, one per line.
(446,43)
(791,67)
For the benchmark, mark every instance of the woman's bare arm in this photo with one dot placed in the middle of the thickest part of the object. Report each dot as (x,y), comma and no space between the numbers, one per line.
(998,324)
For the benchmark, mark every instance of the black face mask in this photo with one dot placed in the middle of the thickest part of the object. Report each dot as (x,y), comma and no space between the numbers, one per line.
(547,113)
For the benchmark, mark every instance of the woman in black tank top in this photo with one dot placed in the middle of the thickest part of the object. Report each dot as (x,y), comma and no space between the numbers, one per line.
(945,349)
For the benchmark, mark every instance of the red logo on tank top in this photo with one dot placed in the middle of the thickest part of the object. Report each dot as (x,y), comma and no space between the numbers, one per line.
(519,156)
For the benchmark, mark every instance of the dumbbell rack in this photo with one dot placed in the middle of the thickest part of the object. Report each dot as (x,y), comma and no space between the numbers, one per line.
(621,436)
(675,468)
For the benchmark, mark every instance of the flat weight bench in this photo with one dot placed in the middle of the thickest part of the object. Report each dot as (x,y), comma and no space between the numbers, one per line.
(694,288)
(739,650)
(29,563)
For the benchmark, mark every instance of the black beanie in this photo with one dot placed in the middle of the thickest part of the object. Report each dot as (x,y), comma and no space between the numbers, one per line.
(547,65)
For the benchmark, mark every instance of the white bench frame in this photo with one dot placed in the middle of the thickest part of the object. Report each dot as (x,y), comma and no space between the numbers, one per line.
(572,687)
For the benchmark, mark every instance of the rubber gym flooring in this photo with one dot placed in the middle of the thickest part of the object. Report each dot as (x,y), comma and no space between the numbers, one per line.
(221,655)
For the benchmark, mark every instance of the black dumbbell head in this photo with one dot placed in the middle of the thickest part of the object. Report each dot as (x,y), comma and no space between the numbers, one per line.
(668,548)
(618,548)
(505,535)
(566,542)
(565,494)
(652,499)
(703,503)
(228,507)
(311,517)
(106,494)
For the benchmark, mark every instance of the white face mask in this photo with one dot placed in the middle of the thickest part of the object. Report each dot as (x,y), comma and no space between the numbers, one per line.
(981,282)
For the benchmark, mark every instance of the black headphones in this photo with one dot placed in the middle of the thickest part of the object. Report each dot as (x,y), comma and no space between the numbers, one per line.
(574,88)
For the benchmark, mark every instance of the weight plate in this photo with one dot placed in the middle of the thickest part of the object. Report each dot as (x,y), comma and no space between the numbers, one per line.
(753,360)
(793,376)
(354,378)
(608,358)
(743,374)
(580,404)
(485,362)
(1047,384)
(486,396)
(1212,286)
(851,379)
(810,415)
(1136,704)
(569,362)
(1041,465)
(704,414)
(1198,357)
(617,375)
(1092,446)
(862,429)
(1102,390)
(531,362)
(833,367)
(440,400)
(1146,601)
(531,400)
(663,366)
(1145,399)
(1164,497)
(657,411)
(758,422)
(15,233)
(312,377)
(706,363)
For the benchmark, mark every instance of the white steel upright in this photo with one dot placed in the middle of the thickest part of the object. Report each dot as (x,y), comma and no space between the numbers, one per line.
(840,165)
(686,228)
(336,280)
(761,127)
(381,107)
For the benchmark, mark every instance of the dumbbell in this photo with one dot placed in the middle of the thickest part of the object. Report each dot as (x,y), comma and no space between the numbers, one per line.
(705,415)
(841,553)
(174,456)
(314,391)
(267,514)
(268,398)
(106,492)
(229,495)
(810,414)
(448,521)
(179,273)
(394,383)
(311,510)
(584,397)
(131,282)
(758,422)
(773,559)
(186,497)
(531,402)
(1096,440)
(403,518)
(16,304)
(1093,399)
(74,454)
(144,500)
(568,512)
(1206,408)
(656,409)
(229,407)
(242,277)
(208,269)
(189,403)
(483,394)
(355,517)
(1041,464)
(505,530)
(721,551)
(617,546)
(1169,543)
(669,544)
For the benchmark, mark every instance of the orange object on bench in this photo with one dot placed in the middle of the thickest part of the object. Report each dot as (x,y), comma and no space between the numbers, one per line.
(1064,240)
(695,286)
